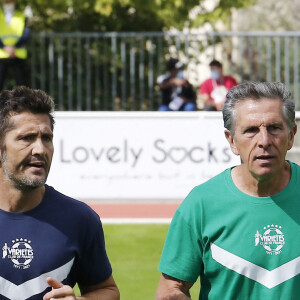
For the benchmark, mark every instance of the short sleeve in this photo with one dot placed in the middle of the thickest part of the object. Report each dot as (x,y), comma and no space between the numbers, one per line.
(94,266)
(182,254)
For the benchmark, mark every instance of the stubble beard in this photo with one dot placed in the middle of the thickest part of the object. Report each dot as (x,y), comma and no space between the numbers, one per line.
(22,182)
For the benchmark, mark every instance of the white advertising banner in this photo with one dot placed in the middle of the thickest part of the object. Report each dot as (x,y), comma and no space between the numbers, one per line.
(137,155)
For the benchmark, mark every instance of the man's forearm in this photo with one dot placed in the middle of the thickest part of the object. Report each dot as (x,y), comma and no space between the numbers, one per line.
(170,288)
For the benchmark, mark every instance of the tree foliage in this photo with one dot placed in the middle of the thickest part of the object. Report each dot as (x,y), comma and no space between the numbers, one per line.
(221,12)
(108,15)
(122,15)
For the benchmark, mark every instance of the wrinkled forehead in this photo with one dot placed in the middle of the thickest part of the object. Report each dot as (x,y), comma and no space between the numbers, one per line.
(23,118)
(261,104)
(263,107)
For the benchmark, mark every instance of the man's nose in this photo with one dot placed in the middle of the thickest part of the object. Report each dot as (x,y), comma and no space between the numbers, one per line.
(38,147)
(264,139)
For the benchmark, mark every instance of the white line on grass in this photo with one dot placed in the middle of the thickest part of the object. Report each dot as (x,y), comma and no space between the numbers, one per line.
(136,220)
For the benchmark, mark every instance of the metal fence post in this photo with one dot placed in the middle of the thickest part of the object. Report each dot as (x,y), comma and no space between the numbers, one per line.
(112,71)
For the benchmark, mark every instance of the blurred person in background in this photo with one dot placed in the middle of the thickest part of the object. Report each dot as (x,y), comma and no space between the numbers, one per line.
(49,241)
(213,90)
(14,35)
(177,93)
(240,231)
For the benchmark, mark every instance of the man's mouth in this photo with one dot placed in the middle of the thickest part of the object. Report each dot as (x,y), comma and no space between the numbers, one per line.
(37,164)
(264,157)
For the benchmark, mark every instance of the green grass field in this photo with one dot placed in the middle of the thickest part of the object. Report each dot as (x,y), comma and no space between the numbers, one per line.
(134,252)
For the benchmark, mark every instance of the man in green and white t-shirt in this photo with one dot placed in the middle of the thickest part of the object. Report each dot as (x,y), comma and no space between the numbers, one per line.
(240,231)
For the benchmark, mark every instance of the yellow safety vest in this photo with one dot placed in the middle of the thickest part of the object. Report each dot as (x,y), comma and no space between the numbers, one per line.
(10,35)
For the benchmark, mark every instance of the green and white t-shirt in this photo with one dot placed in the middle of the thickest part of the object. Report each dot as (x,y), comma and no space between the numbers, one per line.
(242,247)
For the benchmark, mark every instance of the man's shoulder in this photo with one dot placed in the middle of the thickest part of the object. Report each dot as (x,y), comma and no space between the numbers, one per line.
(211,183)
(295,168)
(212,188)
(65,203)
(296,165)
(204,199)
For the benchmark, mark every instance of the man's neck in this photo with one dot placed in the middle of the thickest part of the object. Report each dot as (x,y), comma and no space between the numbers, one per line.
(14,200)
(260,186)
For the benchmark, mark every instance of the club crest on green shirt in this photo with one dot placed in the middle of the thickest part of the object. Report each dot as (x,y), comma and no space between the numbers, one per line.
(272,239)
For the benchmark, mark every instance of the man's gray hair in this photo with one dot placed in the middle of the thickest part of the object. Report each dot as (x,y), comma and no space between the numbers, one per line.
(256,91)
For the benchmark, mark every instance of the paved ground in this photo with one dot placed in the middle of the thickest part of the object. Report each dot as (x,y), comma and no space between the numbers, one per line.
(135,212)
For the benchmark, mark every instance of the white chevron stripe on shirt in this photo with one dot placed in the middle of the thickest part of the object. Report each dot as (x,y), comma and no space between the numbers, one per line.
(265,277)
(33,286)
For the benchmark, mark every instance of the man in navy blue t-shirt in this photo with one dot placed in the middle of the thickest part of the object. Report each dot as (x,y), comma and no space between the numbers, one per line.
(49,241)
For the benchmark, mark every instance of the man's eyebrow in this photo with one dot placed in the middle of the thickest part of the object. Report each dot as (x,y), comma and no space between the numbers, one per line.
(276,123)
(33,131)
(47,134)
(249,126)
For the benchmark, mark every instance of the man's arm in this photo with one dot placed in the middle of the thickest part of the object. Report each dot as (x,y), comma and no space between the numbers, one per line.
(170,288)
(106,290)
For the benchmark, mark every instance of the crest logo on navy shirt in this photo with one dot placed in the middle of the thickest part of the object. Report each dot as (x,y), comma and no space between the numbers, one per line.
(20,253)
(272,239)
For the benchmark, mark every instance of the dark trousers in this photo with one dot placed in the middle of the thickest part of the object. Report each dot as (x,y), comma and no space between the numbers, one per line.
(19,66)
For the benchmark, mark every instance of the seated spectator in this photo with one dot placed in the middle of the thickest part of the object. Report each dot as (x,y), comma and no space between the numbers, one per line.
(177,92)
(214,89)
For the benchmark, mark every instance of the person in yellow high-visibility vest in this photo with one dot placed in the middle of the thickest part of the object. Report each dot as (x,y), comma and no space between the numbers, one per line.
(13,36)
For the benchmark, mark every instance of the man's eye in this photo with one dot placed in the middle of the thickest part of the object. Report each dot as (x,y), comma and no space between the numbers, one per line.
(274,127)
(26,138)
(47,138)
(251,130)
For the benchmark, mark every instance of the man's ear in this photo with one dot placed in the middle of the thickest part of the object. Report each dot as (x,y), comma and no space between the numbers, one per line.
(231,142)
(291,137)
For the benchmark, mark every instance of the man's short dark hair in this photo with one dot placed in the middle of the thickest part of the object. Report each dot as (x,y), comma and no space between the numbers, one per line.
(215,63)
(22,99)
(257,91)
(173,63)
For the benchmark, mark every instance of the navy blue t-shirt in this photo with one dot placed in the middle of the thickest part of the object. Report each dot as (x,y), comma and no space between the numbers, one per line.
(61,238)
